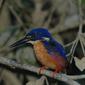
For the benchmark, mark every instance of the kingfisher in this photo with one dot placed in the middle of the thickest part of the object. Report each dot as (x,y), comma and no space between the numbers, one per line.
(48,51)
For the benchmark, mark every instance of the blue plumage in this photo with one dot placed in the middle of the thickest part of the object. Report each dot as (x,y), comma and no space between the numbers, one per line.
(39,33)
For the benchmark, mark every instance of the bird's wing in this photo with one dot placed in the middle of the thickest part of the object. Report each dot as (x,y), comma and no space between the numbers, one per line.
(55,54)
(55,47)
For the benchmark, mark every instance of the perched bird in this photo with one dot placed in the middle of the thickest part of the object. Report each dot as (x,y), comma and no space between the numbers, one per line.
(48,51)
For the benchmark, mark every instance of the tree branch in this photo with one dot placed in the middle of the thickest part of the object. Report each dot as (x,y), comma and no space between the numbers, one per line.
(62,77)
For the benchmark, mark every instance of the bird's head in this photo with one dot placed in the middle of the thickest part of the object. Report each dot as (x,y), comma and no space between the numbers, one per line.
(32,36)
(39,34)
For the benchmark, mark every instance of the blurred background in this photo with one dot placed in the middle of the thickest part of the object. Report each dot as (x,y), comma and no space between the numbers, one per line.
(60,17)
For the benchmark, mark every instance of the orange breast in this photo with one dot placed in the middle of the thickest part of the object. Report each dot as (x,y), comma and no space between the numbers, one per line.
(43,57)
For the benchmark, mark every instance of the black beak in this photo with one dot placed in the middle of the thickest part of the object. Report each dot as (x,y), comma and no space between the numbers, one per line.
(20,43)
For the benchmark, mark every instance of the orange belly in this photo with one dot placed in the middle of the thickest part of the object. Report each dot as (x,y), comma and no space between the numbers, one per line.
(43,57)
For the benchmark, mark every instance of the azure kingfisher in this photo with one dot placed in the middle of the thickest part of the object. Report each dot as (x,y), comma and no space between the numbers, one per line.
(48,51)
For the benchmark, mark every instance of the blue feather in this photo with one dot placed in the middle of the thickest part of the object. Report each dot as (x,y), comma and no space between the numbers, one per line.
(56,48)
(39,33)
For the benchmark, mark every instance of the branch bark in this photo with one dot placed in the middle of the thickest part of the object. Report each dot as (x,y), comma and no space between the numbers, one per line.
(60,76)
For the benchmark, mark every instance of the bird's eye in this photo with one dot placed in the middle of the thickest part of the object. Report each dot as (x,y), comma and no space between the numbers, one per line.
(30,37)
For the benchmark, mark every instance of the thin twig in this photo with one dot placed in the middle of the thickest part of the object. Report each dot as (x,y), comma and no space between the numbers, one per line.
(82,45)
(79,36)
(75,77)
(1,1)
(17,17)
(69,44)
(80,14)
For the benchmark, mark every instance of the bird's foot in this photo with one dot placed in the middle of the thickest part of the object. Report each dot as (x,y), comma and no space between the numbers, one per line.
(41,69)
(57,70)
(54,74)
